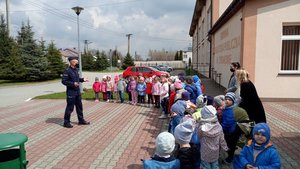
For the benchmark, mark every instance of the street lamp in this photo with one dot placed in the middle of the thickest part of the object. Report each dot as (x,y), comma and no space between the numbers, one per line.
(77,10)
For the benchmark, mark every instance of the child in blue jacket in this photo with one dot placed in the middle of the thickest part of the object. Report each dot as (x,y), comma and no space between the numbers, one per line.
(163,157)
(260,153)
(229,125)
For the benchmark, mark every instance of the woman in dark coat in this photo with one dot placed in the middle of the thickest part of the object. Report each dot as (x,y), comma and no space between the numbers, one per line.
(250,100)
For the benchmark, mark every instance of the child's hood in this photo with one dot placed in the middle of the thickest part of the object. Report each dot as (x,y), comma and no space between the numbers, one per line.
(264,129)
(211,129)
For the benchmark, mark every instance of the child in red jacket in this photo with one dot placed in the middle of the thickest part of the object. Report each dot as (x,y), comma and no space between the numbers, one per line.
(149,85)
(97,89)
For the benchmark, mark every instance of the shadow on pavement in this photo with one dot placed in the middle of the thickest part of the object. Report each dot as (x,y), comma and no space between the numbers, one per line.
(135,166)
(58,121)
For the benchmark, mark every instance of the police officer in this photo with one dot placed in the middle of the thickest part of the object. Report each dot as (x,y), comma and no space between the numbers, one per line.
(71,79)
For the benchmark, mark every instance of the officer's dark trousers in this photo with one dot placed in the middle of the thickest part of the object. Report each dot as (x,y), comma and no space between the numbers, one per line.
(71,101)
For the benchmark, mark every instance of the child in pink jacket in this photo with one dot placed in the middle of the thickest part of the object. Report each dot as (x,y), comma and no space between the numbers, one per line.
(132,89)
(109,88)
(103,87)
(116,93)
(156,91)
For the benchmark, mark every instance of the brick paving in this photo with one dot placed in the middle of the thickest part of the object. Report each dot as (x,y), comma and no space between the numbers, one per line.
(121,134)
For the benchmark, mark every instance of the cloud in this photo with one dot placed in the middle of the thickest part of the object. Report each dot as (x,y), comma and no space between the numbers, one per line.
(155,24)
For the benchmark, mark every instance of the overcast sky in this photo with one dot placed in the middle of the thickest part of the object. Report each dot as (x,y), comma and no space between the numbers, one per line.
(154,24)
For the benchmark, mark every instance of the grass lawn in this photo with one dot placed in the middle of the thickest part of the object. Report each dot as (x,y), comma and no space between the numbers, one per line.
(87,95)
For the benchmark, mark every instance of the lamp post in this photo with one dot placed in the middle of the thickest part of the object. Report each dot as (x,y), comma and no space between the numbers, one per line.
(77,10)
(110,50)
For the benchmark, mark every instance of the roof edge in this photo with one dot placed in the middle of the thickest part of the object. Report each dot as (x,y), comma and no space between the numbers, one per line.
(197,14)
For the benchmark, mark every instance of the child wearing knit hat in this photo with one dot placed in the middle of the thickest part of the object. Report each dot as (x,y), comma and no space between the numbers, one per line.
(96,88)
(163,158)
(211,136)
(149,85)
(176,94)
(141,89)
(103,88)
(201,101)
(177,113)
(109,88)
(229,124)
(260,153)
(187,154)
(116,93)
(219,104)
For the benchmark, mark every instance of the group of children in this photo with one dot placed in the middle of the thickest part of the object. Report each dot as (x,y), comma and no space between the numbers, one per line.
(138,88)
(200,126)
(109,88)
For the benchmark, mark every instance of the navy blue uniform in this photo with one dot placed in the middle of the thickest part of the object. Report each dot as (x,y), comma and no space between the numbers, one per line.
(70,76)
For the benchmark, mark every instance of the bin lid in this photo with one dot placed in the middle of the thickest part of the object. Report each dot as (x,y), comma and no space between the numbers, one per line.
(9,140)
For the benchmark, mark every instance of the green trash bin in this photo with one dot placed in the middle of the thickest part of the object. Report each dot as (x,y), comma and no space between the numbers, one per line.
(12,151)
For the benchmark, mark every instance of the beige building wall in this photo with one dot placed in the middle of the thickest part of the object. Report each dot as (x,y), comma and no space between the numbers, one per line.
(204,45)
(215,11)
(227,47)
(201,44)
(223,5)
(194,48)
(270,20)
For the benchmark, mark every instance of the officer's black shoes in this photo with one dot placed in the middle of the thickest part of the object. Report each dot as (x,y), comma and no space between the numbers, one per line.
(84,123)
(68,125)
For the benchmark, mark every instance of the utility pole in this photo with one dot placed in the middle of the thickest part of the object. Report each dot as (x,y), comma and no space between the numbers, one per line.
(77,10)
(86,45)
(128,36)
(110,53)
(7,17)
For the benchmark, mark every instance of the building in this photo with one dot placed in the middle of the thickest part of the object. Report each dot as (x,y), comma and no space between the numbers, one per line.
(187,55)
(68,52)
(263,35)
(201,46)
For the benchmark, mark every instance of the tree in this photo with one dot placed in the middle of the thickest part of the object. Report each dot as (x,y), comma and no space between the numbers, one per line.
(128,61)
(42,45)
(97,63)
(87,61)
(56,65)
(115,57)
(176,56)
(15,70)
(32,56)
(11,67)
(180,57)
(104,61)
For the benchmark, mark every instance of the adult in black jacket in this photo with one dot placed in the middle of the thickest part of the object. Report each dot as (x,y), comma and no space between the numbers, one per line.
(250,100)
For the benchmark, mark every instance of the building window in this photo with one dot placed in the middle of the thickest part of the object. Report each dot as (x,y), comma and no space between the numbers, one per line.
(290,49)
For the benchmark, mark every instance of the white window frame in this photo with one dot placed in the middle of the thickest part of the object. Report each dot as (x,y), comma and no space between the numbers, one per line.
(291,37)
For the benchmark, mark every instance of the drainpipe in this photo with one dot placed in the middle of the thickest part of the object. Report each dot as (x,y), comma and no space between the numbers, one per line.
(197,49)
(209,38)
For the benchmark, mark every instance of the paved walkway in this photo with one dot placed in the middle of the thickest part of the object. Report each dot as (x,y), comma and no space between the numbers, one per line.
(120,134)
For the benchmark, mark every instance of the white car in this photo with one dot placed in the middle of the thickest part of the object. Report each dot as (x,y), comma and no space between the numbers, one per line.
(165,68)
